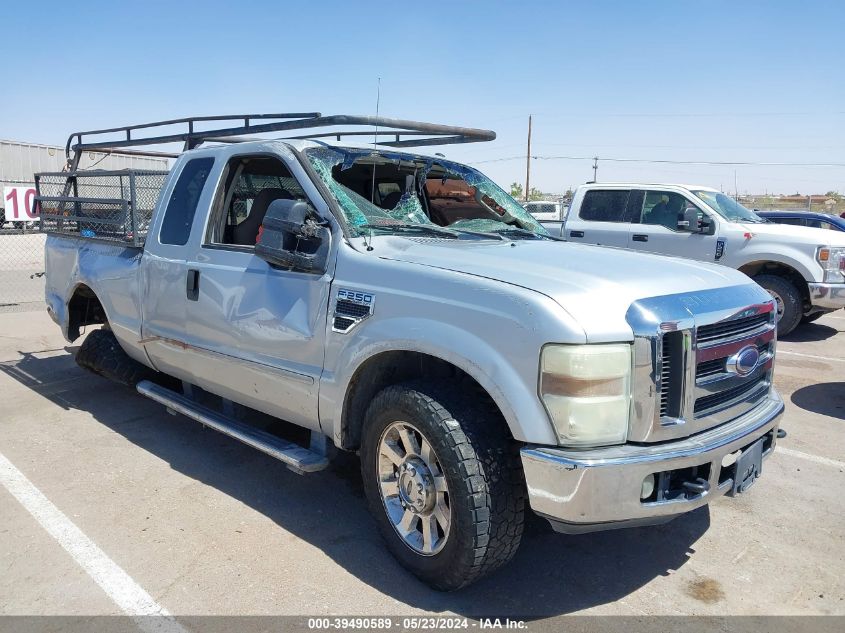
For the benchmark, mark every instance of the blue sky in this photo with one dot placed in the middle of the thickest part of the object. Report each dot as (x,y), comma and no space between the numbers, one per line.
(683,80)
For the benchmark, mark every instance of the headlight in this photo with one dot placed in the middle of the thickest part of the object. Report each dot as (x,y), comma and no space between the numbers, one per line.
(587,392)
(832,260)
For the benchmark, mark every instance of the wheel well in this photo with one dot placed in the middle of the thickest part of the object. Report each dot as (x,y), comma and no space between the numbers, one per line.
(781,270)
(84,308)
(390,368)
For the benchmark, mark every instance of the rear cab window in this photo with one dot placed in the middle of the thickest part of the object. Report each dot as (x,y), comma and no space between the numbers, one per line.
(540,207)
(182,206)
(611,205)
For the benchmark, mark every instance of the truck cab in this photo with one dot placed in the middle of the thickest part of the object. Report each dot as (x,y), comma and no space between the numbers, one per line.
(803,268)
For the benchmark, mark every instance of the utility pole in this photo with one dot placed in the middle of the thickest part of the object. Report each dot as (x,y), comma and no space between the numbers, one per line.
(528,161)
(595,167)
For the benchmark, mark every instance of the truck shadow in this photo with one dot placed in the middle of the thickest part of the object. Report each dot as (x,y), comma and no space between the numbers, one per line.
(826,398)
(551,575)
(810,332)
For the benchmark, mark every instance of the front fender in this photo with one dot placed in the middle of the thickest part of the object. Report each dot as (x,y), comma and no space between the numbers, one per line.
(493,369)
(786,254)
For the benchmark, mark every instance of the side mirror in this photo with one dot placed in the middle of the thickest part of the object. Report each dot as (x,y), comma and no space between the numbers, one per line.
(689,220)
(292,237)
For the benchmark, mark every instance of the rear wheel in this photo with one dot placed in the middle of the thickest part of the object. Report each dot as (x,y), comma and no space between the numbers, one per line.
(443,481)
(102,354)
(809,318)
(788,300)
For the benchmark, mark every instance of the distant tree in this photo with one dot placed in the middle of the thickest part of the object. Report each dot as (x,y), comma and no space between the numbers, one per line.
(516,190)
(834,194)
(535,194)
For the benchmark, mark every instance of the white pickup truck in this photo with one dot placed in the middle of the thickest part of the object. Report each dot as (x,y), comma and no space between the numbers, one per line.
(802,268)
(404,307)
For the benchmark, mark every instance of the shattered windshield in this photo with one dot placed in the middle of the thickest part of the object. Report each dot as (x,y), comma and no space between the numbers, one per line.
(395,192)
(729,208)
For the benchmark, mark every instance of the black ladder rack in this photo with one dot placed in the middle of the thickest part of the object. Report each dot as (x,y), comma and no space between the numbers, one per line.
(404,133)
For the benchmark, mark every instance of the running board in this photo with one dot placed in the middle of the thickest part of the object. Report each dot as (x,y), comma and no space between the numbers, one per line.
(298,458)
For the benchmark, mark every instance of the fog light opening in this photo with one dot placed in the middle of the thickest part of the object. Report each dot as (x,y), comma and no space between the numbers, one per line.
(648,487)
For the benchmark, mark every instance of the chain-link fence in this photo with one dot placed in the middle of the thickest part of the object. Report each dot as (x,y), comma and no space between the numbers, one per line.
(21,268)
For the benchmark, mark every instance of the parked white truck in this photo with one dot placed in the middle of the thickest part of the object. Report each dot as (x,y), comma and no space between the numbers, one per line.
(405,307)
(802,268)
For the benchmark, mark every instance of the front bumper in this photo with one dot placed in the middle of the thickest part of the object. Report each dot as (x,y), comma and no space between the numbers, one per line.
(828,296)
(599,489)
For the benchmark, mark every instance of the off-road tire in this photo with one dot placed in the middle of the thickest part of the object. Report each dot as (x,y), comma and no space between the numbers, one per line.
(793,305)
(481,464)
(102,354)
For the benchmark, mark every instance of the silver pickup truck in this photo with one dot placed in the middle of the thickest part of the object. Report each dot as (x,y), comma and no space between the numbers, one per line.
(403,306)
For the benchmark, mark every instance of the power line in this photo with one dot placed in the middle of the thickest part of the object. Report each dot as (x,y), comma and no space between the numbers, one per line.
(597,115)
(662,161)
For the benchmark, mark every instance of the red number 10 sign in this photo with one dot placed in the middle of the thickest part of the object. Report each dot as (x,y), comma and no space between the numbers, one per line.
(19,204)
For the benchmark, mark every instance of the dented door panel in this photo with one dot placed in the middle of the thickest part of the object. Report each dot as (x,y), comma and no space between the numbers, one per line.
(256,333)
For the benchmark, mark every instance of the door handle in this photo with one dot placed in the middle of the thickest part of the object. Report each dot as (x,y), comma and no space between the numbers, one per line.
(640,237)
(192,287)
(576,234)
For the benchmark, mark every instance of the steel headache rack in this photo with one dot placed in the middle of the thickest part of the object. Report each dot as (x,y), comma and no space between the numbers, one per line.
(117,206)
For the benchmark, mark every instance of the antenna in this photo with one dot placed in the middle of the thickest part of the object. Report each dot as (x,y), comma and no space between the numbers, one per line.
(375,143)
(528,162)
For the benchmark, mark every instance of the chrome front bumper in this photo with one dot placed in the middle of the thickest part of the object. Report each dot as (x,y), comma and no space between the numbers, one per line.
(828,296)
(599,489)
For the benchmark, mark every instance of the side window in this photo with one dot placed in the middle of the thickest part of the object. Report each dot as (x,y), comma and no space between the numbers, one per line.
(604,205)
(794,221)
(666,208)
(251,184)
(182,206)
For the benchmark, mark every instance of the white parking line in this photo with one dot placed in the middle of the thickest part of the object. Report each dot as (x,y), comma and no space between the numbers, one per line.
(826,461)
(117,584)
(835,360)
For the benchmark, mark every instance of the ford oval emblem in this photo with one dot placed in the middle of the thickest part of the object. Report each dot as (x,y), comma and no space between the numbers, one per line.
(744,361)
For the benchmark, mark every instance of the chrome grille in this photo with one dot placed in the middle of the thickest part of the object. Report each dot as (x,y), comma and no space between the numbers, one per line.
(733,395)
(682,382)
(710,368)
(665,382)
(726,330)
(671,374)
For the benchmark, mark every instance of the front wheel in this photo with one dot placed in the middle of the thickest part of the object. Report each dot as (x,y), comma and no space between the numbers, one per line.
(442,479)
(788,299)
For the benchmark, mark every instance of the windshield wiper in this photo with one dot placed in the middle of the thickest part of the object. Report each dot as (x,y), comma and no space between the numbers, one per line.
(411,227)
(521,231)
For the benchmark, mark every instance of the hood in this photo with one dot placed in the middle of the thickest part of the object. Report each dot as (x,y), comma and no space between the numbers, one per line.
(594,284)
(795,234)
